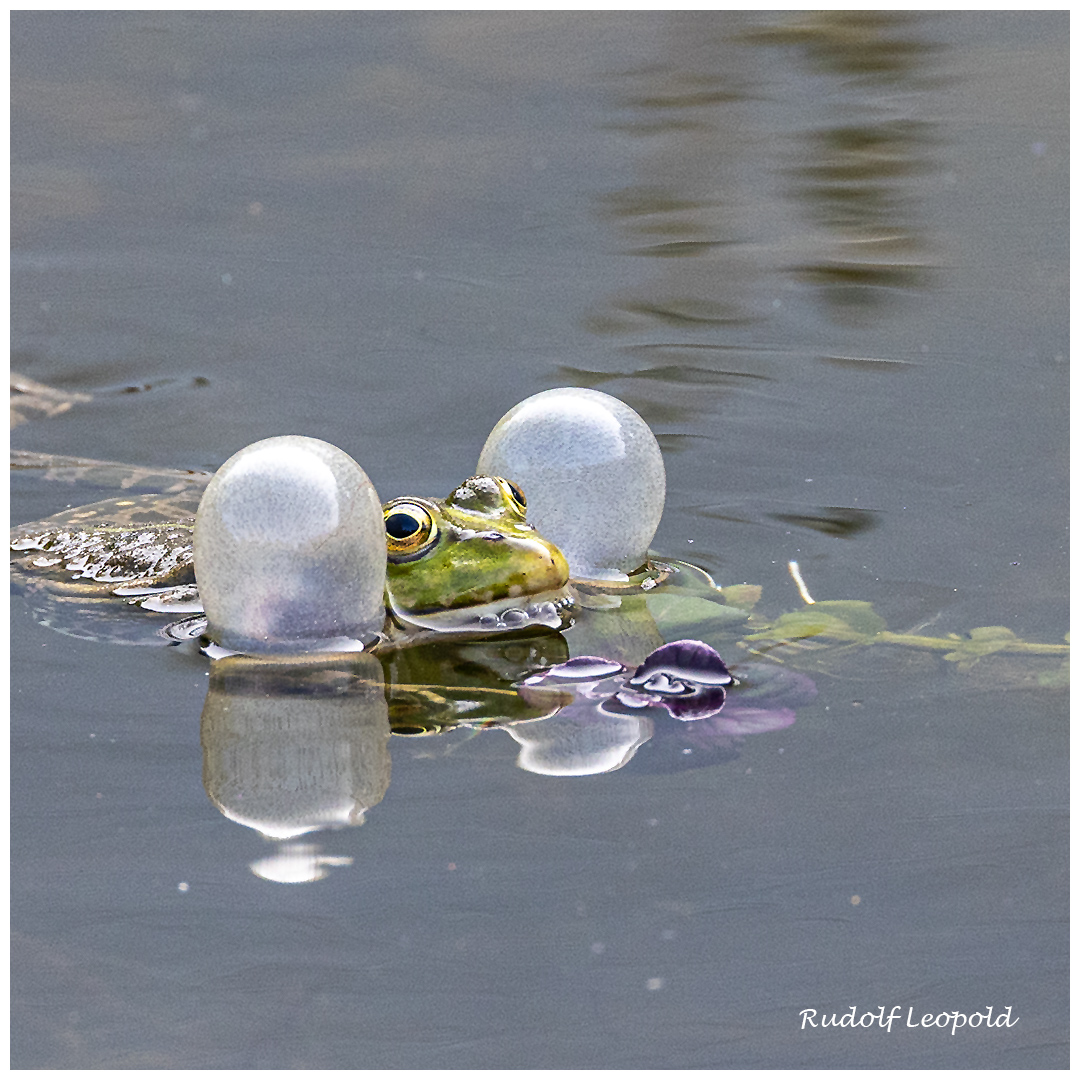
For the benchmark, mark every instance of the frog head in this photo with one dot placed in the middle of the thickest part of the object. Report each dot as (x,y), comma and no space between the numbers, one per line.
(471,562)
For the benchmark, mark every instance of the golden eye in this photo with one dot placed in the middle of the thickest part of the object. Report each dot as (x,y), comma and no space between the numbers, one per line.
(517,496)
(410,530)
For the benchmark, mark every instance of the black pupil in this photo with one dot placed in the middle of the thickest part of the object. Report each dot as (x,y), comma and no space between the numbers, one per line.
(517,492)
(402,526)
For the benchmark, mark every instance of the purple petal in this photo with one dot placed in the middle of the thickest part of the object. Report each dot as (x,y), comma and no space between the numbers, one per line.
(585,668)
(685,661)
(703,702)
(706,703)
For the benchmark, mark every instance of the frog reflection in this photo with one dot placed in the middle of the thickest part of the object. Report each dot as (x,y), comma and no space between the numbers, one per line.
(293,864)
(292,749)
(289,750)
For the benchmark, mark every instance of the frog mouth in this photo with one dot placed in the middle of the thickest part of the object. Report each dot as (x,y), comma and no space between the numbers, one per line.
(552,609)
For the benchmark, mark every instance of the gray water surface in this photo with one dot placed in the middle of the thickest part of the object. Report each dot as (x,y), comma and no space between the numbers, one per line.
(826,258)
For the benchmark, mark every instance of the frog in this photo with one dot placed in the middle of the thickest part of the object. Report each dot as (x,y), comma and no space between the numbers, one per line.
(472,556)
(467,564)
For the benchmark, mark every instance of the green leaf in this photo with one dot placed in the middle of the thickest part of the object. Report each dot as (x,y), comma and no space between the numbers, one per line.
(839,620)
(982,641)
(741,596)
(992,633)
(857,614)
(1055,680)
(677,615)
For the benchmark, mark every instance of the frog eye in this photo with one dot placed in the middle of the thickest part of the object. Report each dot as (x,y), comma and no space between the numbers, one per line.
(410,531)
(517,496)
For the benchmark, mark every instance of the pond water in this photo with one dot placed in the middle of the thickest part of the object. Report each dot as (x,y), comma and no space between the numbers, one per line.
(826,258)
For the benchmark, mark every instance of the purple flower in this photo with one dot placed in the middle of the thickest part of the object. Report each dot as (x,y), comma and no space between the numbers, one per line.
(684,681)
(687,678)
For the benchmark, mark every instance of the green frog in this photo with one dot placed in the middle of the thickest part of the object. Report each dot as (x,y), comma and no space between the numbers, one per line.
(466,564)
(471,557)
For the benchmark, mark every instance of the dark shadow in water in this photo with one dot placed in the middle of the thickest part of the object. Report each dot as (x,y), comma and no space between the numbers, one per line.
(832,521)
(868,45)
(680,374)
(670,394)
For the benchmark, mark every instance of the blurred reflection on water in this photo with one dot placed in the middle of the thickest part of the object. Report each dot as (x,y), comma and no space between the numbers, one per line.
(852,89)
(288,752)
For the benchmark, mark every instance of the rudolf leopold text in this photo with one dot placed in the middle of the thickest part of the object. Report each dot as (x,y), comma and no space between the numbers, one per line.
(811,1018)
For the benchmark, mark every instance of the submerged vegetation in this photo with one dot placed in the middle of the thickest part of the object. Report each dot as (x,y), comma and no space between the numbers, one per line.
(851,624)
